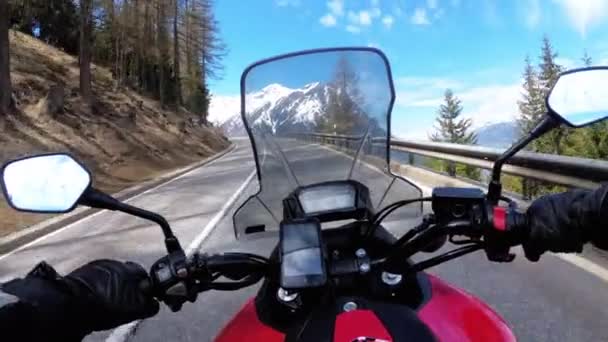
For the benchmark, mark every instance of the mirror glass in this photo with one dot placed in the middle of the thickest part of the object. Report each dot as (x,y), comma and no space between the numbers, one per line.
(580,97)
(47,183)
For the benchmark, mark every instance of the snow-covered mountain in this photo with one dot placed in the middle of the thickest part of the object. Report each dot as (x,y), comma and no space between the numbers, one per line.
(278,107)
(223,108)
(497,135)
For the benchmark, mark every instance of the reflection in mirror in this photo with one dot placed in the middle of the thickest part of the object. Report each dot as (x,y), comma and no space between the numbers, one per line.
(581,97)
(48,183)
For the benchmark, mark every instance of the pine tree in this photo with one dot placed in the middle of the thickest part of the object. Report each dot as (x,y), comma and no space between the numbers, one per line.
(548,74)
(586,59)
(531,106)
(531,110)
(344,109)
(57,20)
(86,27)
(5,75)
(176,54)
(453,129)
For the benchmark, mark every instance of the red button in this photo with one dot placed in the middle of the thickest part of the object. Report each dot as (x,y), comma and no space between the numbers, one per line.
(500,218)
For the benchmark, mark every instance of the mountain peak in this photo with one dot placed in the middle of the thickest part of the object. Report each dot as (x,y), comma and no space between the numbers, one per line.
(278,107)
(275,90)
(310,86)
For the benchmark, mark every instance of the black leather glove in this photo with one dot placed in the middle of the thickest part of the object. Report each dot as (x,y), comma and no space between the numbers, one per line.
(97,296)
(112,293)
(564,222)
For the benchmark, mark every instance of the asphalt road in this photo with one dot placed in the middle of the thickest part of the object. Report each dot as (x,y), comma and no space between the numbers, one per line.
(552,300)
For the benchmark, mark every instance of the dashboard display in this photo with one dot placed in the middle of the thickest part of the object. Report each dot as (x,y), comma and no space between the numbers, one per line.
(327,198)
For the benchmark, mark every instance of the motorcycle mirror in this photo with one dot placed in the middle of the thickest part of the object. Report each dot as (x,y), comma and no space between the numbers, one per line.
(56,183)
(50,183)
(580,97)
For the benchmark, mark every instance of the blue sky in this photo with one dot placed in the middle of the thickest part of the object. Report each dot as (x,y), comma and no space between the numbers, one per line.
(475,47)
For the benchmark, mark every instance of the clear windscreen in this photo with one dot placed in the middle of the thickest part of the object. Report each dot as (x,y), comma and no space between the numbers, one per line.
(318,117)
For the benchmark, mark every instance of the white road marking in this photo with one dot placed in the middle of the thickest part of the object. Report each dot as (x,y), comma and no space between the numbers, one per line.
(586,265)
(196,243)
(62,229)
(123,332)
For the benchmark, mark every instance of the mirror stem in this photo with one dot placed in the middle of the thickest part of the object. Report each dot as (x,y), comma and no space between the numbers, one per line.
(547,123)
(98,199)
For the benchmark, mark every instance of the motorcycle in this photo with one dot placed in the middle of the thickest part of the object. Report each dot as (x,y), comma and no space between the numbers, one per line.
(319,126)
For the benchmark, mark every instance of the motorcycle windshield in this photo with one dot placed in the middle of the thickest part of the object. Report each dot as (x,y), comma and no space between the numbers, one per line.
(318,116)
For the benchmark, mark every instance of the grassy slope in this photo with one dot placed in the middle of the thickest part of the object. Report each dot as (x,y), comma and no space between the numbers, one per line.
(119,150)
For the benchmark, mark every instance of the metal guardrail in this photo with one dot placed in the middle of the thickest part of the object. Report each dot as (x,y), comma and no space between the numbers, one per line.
(569,171)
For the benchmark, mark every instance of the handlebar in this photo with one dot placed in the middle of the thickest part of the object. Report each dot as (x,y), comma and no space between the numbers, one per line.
(177,279)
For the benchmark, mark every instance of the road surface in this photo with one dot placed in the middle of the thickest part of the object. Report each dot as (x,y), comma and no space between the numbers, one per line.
(552,300)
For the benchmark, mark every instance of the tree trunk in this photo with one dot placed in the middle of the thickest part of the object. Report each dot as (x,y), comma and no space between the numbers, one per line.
(188,40)
(176,66)
(113,55)
(161,53)
(85,50)
(5,75)
(138,49)
(146,40)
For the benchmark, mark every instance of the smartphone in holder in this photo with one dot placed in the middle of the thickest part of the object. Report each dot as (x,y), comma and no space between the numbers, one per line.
(302,263)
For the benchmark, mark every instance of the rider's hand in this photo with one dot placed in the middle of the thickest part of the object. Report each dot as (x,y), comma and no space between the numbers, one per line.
(564,222)
(97,296)
(113,293)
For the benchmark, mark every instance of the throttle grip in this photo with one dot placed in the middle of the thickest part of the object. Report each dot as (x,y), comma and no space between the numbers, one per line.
(507,228)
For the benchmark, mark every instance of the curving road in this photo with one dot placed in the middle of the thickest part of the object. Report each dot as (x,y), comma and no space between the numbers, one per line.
(552,300)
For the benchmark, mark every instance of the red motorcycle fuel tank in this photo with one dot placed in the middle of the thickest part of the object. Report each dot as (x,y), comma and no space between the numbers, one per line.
(454,315)
(451,314)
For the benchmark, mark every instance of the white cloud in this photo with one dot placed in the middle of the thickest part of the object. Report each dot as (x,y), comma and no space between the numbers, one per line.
(483,104)
(532,13)
(583,14)
(287,3)
(336,7)
(429,82)
(491,103)
(419,17)
(432,4)
(353,29)
(388,21)
(328,20)
(423,91)
(361,18)
(224,107)
(365,18)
